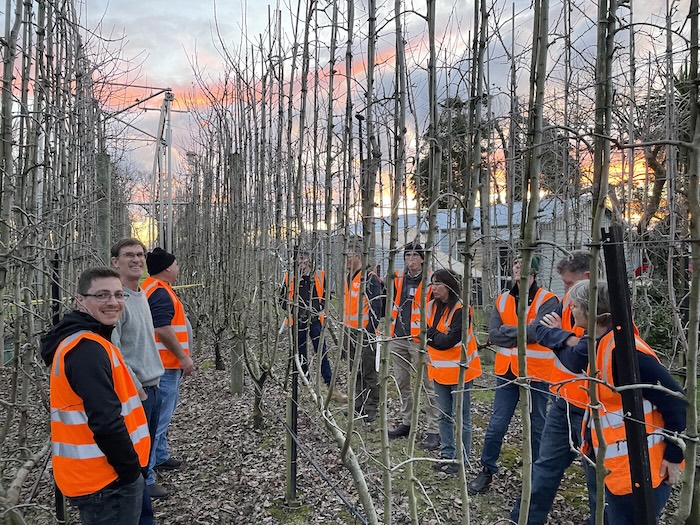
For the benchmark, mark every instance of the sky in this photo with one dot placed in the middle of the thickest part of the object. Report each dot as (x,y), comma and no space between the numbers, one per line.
(160,38)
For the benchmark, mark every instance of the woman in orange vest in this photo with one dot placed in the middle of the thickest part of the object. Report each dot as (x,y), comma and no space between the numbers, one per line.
(664,414)
(99,434)
(445,351)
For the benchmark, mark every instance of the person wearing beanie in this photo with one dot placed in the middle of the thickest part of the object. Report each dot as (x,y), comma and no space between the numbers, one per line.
(173,339)
(503,333)
(450,358)
(404,346)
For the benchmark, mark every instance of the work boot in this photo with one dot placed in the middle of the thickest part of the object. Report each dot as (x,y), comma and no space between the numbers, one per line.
(168,464)
(431,441)
(400,431)
(447,468)
(481,483)
(156,491)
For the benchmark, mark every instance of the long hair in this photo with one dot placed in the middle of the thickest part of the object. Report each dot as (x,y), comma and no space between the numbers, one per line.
(451,280)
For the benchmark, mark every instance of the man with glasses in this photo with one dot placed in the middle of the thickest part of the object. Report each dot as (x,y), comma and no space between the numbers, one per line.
(172,331)
(99,432)
(134,336)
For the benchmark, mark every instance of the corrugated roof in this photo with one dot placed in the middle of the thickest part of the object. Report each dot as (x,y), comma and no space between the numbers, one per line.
(548,210)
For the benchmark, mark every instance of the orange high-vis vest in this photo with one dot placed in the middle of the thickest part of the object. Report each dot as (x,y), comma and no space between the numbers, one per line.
(540,359)
(79,465)
(445,364)
(351,303)
(178,324)
(319,281)
(415,305)
(617,460)
(572,387)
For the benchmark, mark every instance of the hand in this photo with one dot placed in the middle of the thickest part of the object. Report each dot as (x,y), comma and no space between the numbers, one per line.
(187,365)
(572,340)
(551,320)
(142,394)
(670,471)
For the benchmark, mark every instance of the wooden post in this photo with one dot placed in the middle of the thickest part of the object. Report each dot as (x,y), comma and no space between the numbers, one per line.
(627,367)
(104,206)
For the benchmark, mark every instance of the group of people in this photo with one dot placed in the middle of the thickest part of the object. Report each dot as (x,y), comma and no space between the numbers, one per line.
(116,363)
(117,360)
(557,384)
(363,308)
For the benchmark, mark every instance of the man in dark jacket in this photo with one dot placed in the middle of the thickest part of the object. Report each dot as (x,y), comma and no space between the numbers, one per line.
(99,434)
(305,305)
(361,314)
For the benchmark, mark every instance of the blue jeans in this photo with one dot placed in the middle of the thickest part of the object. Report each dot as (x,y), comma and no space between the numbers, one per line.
(562,425)
(504,403)
(111,506)
(447,400)
(619,510)
(169,392)
(315,331)
(151,406)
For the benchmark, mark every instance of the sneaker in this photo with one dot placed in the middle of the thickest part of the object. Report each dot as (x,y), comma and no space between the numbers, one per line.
(156,491)
(431,441)
(400,431)
(168,464)
(369,418)
(447,468)
(481,483)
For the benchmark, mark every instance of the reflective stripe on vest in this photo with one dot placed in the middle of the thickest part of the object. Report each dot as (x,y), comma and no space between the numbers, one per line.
(444,365)
(79,466)
(351,303)
(415,305)
(178,323)
(612,418)
(572,387)
(319,281)
(540,359)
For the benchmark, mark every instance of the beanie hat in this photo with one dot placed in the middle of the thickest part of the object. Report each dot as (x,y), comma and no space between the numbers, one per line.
(413,247)
(535,264)
(158,260)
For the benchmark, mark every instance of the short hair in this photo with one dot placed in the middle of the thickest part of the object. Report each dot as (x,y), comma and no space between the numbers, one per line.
(579,293)
(126,241)
(451,280)
(578,262)
(88,276)
(355,245)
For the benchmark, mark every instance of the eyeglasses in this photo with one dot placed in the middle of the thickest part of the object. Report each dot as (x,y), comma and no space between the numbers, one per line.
(104,297)
(132,255)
